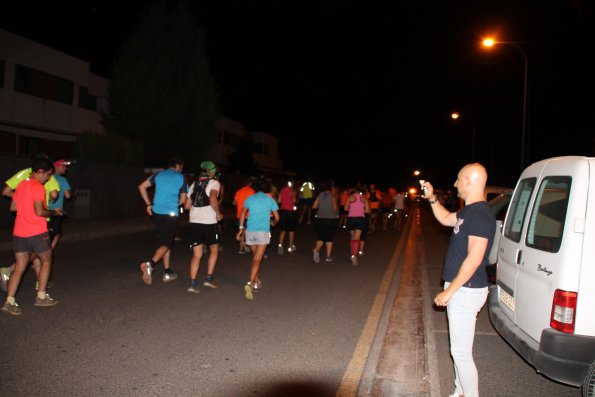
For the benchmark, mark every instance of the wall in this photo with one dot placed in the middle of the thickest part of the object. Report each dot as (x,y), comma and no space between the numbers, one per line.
(110,191)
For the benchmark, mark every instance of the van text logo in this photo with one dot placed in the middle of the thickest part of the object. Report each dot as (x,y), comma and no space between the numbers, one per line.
(544,269)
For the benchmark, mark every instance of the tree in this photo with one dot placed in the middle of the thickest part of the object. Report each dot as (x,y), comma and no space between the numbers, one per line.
(161,92)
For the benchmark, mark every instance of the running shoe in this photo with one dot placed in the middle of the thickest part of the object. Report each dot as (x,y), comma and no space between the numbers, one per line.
(147,270)
(280,249)
(291,249)
(211,284)
(169,276)
(4,277)
(257,286)
(193,289)
(315,255)
(360,253)
(328,259)
(248,291)
(48,301)
(242,251)
(15,310)
(354,260)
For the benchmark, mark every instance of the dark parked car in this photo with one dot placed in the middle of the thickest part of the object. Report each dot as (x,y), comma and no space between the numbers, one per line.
(499,205)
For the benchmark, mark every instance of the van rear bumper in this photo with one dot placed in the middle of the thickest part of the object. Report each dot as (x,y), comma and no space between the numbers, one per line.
(561,357)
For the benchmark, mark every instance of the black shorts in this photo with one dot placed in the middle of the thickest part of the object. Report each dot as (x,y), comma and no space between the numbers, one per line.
(357,223)
(39,243)
(307,202)
(54,226)
(325,229)
(288,220)
(166,228)
(207,234)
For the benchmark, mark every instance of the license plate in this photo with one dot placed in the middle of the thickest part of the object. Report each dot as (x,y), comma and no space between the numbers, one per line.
(506,298)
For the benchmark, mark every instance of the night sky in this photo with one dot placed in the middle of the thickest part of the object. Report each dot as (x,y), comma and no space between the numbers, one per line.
(364,90)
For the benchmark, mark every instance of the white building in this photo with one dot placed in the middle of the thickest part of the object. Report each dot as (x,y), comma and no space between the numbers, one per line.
(45,95)
(229,135)
(48,98)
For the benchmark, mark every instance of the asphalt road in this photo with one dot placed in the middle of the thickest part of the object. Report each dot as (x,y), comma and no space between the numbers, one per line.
(314,330)
(113,335)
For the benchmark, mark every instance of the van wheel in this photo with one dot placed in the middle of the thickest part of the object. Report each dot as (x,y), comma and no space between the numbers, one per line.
(589,382)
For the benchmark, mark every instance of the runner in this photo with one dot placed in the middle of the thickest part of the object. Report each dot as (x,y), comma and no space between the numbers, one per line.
(30,234)
(170,192)
(257,231)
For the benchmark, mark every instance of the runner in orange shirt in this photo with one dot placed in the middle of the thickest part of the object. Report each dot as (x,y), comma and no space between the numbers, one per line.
(238,200)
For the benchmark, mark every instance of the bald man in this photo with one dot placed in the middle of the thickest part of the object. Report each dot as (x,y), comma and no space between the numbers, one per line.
(465,278)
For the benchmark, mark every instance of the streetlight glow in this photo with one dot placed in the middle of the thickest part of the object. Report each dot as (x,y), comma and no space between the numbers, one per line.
(455,116)
(490,42)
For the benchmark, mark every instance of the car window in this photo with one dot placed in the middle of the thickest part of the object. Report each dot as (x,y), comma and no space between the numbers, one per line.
(499,205)
(518,209)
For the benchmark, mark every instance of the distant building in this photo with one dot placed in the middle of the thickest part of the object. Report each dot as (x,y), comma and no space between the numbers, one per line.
(48,98)
(229,135)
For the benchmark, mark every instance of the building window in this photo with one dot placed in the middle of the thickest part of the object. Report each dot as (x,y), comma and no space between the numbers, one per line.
(8,142)
(86,100)
(1,73)
(44,85)
(231,139)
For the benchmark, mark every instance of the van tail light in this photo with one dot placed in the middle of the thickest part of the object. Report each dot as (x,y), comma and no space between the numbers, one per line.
(563,311)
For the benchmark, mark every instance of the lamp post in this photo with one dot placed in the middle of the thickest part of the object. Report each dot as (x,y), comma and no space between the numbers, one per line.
(455,116)
(490,42)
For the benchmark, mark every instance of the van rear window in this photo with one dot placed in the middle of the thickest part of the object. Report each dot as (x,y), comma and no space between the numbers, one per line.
(546,225)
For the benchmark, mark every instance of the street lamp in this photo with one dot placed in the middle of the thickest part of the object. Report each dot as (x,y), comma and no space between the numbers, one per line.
(490,42)
(455,116)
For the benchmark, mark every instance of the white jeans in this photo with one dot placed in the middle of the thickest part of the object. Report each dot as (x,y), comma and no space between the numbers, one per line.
(462,310)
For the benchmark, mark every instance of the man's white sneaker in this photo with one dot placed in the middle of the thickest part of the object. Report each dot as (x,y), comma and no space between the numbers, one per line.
(316,255)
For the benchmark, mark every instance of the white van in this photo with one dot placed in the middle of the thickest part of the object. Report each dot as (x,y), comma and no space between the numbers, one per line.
(543,303)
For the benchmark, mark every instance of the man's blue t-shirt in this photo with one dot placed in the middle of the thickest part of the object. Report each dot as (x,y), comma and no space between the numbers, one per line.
(64,185)
(478,220)
(169,184)
(260,206)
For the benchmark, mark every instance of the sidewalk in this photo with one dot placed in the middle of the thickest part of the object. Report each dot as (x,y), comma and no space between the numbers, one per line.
(84,230)
(402,358)
(88,229)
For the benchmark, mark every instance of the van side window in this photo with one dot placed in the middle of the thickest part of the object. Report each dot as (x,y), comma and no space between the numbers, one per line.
(546,225)
(518,209)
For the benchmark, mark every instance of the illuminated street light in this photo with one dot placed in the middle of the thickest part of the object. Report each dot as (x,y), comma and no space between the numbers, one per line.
(455,116)
(416,172)
(490,42)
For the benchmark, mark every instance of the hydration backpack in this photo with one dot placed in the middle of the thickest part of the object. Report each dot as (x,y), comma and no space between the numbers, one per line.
(199,195)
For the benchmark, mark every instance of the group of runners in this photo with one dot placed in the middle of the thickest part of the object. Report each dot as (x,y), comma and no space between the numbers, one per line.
(37,196)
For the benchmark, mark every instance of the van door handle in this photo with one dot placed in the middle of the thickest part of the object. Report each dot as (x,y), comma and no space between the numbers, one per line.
(518,257)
